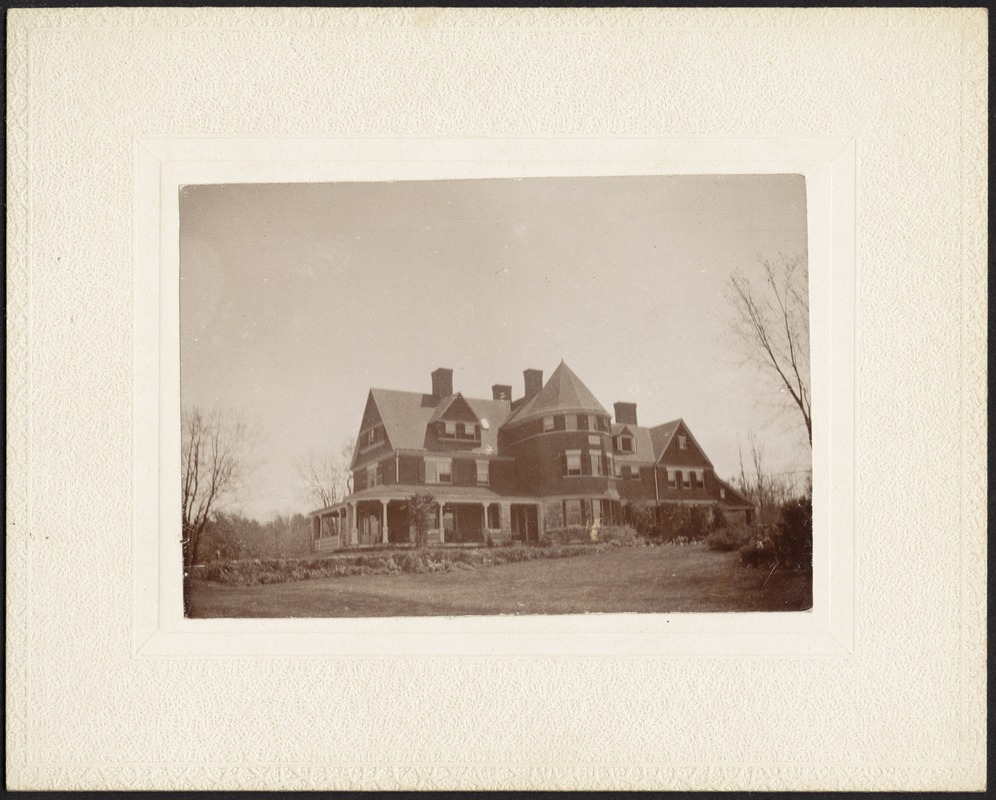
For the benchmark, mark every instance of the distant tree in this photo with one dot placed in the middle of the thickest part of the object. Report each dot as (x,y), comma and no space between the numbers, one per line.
(771,322)
(326,474)
(421,507)
(214,453)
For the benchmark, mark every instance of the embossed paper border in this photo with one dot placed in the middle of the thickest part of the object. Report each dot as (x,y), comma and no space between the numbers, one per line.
(905,710)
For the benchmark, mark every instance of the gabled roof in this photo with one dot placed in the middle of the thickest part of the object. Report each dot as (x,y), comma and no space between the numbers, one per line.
(643,448)
(563,393)
(450,408)
(661,436)
(406,414)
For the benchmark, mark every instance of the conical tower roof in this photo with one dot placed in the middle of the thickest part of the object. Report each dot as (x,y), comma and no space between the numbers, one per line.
(563,393)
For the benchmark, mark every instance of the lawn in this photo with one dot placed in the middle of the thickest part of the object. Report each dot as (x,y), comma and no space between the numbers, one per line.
(647,579)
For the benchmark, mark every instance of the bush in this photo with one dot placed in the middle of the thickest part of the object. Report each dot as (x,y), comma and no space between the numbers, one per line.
(618,536)
(794,537)
(719,521)
(760,548)
(575,534)
(728,539)
(255,571)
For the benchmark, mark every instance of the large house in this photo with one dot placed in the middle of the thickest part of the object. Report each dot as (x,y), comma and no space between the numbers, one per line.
(510,469)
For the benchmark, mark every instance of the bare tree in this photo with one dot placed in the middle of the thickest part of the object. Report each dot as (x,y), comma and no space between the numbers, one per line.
(767,490)
(771,321)
(326,474)
(214,451)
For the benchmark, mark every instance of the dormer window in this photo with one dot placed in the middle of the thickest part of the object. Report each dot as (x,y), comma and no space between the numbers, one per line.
(682,442)
(624,444)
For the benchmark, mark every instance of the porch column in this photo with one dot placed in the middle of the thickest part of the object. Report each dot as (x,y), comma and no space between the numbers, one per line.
(442,531)
(383,537)
(351,516)
(485,531)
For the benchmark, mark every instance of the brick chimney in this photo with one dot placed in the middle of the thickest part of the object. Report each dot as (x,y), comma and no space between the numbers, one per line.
(625,413)
(533,380)
(501,392)
(442,382)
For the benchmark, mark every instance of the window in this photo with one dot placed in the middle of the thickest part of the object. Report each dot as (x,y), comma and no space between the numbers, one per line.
(573,462)
(574,512)
(449,428)
(688,480)
(571,421)
(592,425)
(682,442)
(372,476)
(369,438)
(596,463)
(485,424)
(547,424)
(722,494)
(670,479)
(625,444)
(677,479)
(634,473)
(619,471)
(483,473)
(438,470)
(595,441)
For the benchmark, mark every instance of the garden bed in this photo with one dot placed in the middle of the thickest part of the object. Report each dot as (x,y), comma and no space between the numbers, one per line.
(251,572)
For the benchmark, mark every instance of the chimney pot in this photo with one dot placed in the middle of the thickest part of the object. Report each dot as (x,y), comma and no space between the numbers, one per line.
(625,413)
(442,382)
(533,381)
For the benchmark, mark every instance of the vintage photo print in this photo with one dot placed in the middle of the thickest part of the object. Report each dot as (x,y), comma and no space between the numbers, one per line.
(563,395)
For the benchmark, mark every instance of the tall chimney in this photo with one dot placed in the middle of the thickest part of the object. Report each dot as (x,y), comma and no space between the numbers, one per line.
(625,413)
(501,392)
(533,380)
(442,382)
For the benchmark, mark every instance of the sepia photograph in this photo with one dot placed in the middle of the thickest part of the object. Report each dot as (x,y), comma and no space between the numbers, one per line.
(496,396)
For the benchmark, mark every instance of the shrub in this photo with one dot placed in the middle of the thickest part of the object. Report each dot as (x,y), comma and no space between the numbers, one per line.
(574,534)
(618,536)
(794,537)
(759,550)
(728,539)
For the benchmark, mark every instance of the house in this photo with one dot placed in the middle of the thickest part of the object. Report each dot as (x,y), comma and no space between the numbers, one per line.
(511,469)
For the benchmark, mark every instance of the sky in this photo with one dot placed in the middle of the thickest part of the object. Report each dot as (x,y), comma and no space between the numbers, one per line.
(296,299)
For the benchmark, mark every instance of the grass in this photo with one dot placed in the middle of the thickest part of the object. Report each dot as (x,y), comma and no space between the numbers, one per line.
(641,579)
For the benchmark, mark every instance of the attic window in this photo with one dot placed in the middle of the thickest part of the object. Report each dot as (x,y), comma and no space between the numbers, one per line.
(626,444)
(547,424)
(571,421)
(722,494)
(682,442)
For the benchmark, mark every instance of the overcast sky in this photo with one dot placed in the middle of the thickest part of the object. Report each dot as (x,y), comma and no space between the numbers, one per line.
(296,299)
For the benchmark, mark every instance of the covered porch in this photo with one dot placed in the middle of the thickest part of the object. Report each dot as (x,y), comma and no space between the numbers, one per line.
(381,518)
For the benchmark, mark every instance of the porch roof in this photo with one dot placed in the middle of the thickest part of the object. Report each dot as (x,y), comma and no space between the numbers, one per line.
(468,494)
